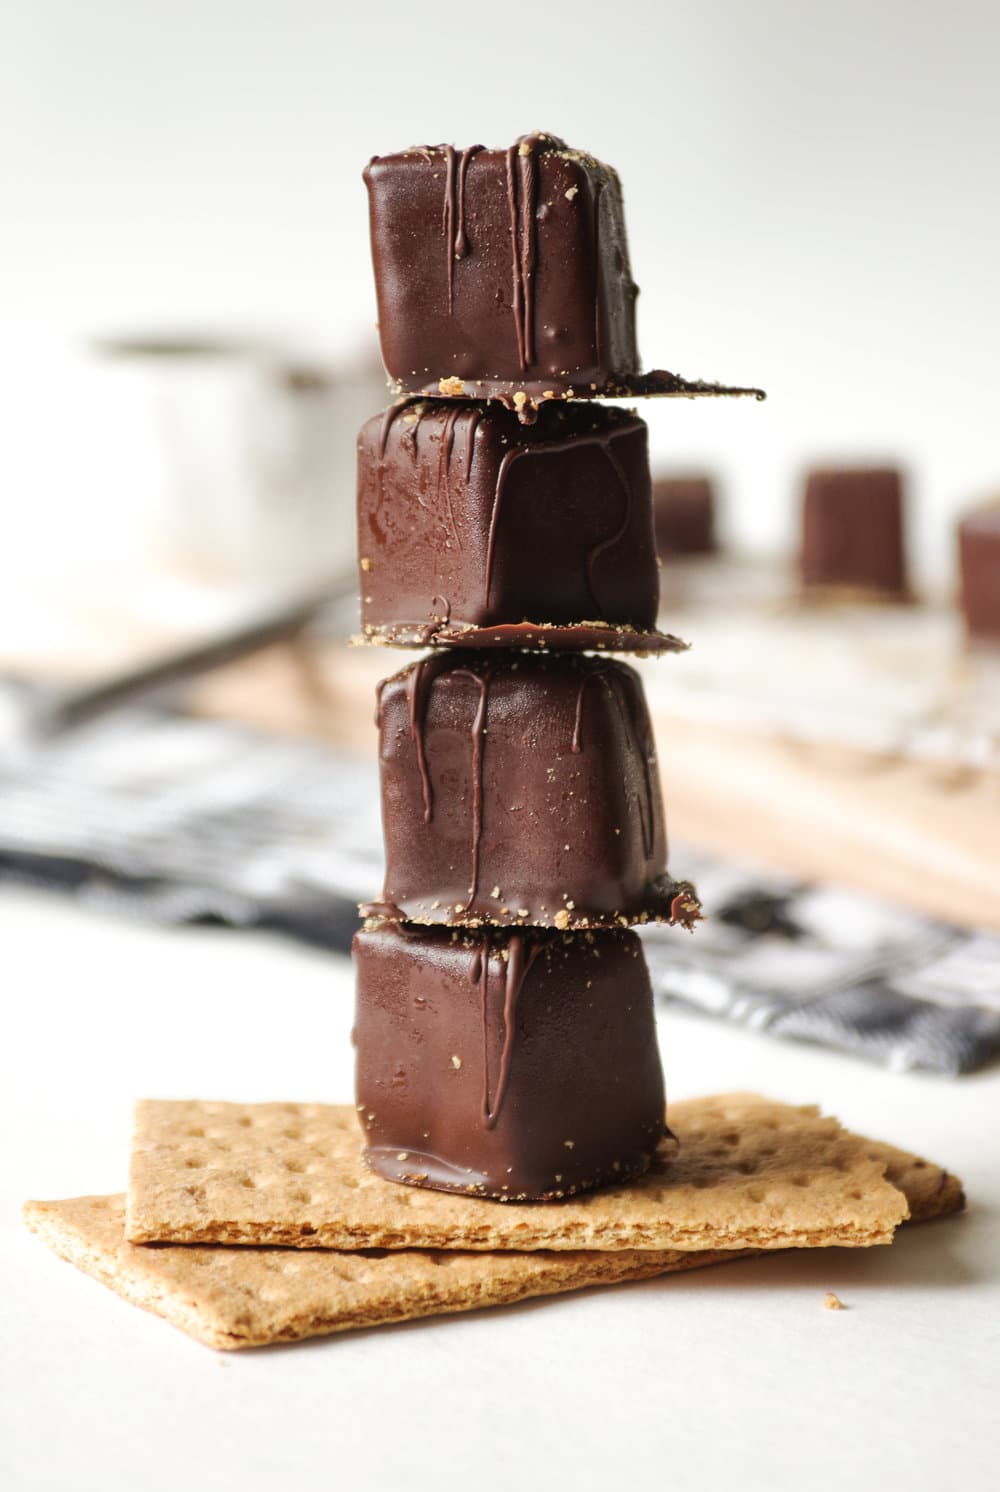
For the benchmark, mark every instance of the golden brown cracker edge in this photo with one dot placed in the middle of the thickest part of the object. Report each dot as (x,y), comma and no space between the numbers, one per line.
(748,1173)
(251,1297)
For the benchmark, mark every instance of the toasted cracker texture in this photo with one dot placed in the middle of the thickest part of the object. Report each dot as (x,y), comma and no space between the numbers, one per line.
(250,1297)
(746,1173)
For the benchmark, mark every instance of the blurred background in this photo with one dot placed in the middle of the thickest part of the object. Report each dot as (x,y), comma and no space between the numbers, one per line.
(808,189)
(189,349)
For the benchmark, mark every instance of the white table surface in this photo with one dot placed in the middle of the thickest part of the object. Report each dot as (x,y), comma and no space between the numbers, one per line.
(735,1377)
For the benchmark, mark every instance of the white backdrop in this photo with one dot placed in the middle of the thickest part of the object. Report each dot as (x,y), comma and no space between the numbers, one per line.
(810,188)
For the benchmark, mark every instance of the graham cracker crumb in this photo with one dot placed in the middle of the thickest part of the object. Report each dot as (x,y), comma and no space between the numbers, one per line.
(832,1302)
(561,919)
(451,386)
(569,195)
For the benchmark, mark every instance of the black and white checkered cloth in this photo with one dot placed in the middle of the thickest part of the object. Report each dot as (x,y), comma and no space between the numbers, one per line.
(178,820)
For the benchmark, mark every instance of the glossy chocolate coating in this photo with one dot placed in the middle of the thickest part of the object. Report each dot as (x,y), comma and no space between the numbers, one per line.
(501,265)
(518,1065)
(522,789)
(683,516)
(467,518)
(852,533)
(979,559)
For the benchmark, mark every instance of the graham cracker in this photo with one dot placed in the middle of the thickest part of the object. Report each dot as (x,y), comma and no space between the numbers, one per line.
(930,1191)
(748,1173)
(248,1297)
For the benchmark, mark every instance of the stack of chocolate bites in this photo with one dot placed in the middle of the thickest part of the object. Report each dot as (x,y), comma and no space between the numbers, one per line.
(505,1036)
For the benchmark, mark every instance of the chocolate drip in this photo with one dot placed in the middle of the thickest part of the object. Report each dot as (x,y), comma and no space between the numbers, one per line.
(418,687)
(529,182)
(447,442)
(597,275)
(453,212)
(389,417)
(609,543)
(448,222)
(482,681)
(383,445)
(613,684)
(461,244)
(546,448)
(471,426)
(522,189)
(495,519)
(517,289)
(515,971)
(644,748)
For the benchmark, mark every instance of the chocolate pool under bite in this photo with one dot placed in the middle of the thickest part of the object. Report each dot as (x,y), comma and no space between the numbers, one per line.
(511,1065)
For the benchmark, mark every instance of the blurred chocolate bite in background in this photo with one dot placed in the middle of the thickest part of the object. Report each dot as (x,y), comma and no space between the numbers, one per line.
(852,534)
(979,563)
(684,516)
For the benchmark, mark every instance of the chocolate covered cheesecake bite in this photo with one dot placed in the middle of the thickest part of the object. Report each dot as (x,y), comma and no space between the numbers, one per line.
(501,267)
(504,274)
(518,1066)
(852,534)
(476,529)
(522,789)
(979,561)
(683,517)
